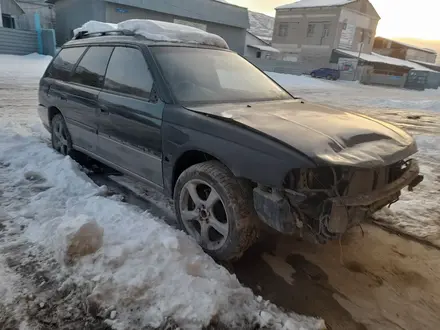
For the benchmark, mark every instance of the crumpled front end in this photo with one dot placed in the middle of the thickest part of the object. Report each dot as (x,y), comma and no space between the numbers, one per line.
(327,201)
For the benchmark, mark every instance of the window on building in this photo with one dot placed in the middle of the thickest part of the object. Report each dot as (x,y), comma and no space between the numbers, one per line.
(91,69)
(258,54)
(128,73)
(8,21)
(64,63)
(311,30)
(326,31)
(283,29)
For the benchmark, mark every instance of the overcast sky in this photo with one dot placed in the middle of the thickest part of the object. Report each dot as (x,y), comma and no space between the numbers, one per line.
(400,18)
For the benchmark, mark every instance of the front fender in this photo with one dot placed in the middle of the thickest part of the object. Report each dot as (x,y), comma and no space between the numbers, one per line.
(246,153)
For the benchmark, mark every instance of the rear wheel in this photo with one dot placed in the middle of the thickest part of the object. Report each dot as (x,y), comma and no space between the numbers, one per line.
(61,140)
(215,209)
(329,77)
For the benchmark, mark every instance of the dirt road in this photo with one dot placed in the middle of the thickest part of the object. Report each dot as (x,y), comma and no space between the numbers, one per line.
(375,281)
(379,281)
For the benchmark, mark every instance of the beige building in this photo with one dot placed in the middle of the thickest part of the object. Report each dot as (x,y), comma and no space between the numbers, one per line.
(403,51)
(307,31)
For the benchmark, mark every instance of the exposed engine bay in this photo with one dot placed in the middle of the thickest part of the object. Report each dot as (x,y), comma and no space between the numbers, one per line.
(327,201)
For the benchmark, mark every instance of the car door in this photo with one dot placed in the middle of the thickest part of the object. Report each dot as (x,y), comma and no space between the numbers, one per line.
(130,117)
(82,97)
(60,90)
(320,73)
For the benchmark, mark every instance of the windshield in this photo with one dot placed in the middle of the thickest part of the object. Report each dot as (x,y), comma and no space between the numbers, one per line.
(197,75)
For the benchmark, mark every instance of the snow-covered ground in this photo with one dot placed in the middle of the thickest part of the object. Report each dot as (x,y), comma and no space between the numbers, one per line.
(67,246)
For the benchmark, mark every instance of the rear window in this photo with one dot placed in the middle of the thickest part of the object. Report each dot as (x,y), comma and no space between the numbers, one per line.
(91,69)
(64,63)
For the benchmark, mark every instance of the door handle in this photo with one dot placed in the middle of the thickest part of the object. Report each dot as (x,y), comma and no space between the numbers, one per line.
(104,111)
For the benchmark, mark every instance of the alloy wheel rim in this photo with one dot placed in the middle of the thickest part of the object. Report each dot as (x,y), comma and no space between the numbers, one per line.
(60,138)
(203,214)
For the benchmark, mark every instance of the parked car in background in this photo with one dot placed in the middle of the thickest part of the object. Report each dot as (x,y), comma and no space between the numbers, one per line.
(330,74)
(229,145)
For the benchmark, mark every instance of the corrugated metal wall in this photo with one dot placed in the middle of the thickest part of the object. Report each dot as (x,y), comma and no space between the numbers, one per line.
(18,42)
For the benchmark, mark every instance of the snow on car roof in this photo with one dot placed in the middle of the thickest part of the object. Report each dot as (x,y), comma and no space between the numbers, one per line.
(158,31)
(315,3)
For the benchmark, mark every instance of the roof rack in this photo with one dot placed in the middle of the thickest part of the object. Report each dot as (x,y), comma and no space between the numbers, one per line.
(86,34)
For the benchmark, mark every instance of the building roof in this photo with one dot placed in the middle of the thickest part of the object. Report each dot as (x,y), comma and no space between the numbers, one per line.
(315,3)
(377,58)
(265,48)
(427,50)
(259,38)
(430,65)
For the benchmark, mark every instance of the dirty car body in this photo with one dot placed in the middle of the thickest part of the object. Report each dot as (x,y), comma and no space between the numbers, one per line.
(356,165)
(309,168)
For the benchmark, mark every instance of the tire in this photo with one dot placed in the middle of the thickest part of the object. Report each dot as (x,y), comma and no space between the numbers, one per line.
(313,75)
(61,139)
(236,226)
(329,77)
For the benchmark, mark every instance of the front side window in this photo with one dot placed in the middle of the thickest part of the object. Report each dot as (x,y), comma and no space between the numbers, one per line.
(128,73)
(198,75)
(91,69)
(64,63)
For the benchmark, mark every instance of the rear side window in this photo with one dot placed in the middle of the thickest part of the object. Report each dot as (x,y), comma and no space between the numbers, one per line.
(64,63)
(91,69)
(128,73)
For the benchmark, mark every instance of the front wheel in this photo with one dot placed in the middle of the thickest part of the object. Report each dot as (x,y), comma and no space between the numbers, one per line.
(61,140)
(215,209)
(329,77)
(313,75)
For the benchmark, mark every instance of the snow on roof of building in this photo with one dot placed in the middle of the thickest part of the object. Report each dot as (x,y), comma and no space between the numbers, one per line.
(158,31)
(428,50)
(377,58)
(315,3)
(265,48)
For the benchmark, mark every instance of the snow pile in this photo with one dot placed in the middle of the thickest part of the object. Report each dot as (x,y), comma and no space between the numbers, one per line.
(13,67)
(158,31)
(145,270)
(418,212)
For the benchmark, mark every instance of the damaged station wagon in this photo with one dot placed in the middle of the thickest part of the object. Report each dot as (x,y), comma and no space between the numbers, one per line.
(227,143)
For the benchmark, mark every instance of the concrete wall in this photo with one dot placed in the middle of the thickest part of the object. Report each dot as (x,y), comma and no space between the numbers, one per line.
(71,14)
(46,11)
(365,30)
(17,42)
(311,49)
(11,7)
(314,49)
(276,66)
(203,10)
(234,36)
(381,79)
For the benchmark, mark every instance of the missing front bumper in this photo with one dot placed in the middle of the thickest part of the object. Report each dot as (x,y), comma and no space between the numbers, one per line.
(282,214)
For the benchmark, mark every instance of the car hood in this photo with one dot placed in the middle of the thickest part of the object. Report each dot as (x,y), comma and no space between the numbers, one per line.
(326,135)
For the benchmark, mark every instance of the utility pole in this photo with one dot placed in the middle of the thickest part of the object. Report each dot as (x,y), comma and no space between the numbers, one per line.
(361,46)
